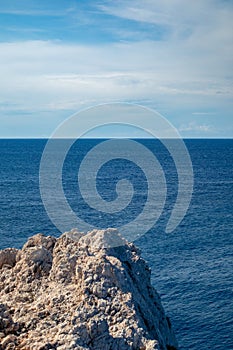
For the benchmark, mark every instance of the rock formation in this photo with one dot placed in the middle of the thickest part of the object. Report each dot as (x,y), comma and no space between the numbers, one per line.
(77,292)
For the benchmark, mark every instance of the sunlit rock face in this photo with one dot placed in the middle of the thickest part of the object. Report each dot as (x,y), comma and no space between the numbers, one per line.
(77,292)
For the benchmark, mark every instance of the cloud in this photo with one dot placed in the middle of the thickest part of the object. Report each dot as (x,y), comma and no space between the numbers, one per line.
(30,8)
(200,29)
(125,70)
(186,69)
(40,78)
(31,12)
(177,14)
(193,126)
(203,113)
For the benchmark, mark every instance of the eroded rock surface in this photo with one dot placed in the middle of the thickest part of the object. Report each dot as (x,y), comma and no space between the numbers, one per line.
(76,292)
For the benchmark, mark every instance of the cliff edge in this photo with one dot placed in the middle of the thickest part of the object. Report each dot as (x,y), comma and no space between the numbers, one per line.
(76,292)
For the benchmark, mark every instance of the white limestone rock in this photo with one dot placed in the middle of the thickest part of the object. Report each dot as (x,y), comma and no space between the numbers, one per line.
(77,292)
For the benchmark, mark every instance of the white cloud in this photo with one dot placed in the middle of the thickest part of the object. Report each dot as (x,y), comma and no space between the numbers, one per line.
(193,126)
(177,14)
(203,113)
(201,29)
(190,69)
(31,12)
(30,8)
(50,71)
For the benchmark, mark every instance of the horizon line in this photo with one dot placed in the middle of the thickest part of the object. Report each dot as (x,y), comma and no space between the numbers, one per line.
(116,137)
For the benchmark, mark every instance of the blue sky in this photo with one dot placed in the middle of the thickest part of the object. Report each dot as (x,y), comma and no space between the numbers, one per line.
(58,57)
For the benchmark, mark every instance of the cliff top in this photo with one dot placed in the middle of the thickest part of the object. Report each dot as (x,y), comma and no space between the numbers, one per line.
(77,292)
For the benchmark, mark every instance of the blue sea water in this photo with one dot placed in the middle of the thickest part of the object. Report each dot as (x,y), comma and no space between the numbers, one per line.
(191,267)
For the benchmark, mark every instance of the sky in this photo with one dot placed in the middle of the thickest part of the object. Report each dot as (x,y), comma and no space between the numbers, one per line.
(60,57)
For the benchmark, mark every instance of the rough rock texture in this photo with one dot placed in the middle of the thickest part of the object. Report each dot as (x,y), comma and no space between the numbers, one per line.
(75,292)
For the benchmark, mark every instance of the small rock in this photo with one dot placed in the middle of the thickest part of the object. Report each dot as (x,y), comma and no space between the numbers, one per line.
(9,340)
(8,257)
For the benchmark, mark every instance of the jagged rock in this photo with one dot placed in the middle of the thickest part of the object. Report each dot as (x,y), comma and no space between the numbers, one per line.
(8,257)
(78,292)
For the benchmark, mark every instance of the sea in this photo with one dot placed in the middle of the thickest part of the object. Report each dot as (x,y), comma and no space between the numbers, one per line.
(191,267)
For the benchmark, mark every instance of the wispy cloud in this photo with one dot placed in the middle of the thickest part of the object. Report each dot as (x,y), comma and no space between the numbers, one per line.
(31,12)
(187,68)
(31,8)
(24,30)
(203,113)
(108,71)
(174,13)
(193,126)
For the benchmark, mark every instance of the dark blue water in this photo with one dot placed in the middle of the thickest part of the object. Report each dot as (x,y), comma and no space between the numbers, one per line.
(191,268)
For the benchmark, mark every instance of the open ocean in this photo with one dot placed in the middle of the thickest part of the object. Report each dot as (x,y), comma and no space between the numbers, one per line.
(192,268)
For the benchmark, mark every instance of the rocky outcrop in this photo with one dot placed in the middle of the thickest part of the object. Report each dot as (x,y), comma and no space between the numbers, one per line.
(77,292)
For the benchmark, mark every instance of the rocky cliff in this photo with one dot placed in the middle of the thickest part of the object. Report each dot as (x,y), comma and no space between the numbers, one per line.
(76,292)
